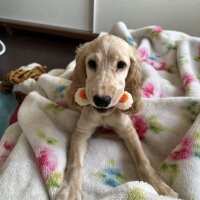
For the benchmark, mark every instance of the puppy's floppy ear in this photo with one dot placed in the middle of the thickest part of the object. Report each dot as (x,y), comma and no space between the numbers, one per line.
(79,74)
(133,82)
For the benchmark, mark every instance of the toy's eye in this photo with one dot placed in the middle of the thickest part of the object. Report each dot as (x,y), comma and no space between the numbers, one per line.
(121,65)
(92,64)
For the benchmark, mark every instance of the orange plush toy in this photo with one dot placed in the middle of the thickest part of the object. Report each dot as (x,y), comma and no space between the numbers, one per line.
(124,103)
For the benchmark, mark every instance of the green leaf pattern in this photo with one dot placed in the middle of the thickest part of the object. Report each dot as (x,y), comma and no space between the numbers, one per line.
(136,194)
(197,143)
(172,69)
(190,111)
(182,60)
(54,180)
(48,139)
(56,109)
(155,126)
(153,34)
(171,44)
(172,169)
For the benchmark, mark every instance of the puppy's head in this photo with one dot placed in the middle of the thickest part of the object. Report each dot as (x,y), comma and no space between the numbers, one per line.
(107,67)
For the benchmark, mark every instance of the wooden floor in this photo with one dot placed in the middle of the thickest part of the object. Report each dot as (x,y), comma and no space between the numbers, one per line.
(24,47)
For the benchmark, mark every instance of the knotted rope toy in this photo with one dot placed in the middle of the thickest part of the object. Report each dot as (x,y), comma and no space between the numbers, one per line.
(124,103)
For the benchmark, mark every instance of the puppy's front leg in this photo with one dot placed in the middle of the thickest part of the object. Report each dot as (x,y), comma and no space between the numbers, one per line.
(123,126)
(71,186)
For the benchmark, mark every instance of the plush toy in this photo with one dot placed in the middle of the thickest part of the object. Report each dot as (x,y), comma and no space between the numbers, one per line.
(124,103)
(20,75)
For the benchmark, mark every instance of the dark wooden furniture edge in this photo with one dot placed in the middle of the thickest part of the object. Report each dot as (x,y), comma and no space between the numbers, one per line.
(47,29)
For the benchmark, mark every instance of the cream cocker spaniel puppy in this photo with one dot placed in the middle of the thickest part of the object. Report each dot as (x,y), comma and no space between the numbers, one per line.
(106,67)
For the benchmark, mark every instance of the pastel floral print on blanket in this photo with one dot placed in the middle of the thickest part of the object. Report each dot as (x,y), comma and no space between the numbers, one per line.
(143,124)
(158,33)
(111,175)
(190,111)
(172,169)
(136,194)
(54,108)
(48,163)
(189,147)
(155,60)
(152,59)
(183,151)
(6,149)
(188,79)
(48,139)
(182,60)
(154,32)
(150,90)
(48,160)
(59,93)
(7,146)
(197,144)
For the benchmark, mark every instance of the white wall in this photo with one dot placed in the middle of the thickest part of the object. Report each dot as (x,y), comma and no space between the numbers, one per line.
(180,15)
(76,14)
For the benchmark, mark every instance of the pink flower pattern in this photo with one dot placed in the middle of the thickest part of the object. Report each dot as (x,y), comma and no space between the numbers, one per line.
(153,61)
(158,65)
(157,29)
(48,162)
(149,90)
(186,150)
(188,79)
(143,53)
(3,158)
(8,146)
(141,125)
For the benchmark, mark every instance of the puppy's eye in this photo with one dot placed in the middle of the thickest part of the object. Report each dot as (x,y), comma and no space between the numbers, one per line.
(121,65)
(92,64)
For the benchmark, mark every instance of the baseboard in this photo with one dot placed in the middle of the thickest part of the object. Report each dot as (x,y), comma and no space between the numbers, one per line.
(52,30)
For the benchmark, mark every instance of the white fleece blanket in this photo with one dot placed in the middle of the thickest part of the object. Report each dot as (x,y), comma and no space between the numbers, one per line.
(33,151)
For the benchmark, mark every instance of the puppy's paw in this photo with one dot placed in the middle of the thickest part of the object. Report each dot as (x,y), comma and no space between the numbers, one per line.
(149,175)
(162,188)
(69,191)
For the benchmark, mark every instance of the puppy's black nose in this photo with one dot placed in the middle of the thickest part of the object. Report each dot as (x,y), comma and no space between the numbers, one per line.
(102,101)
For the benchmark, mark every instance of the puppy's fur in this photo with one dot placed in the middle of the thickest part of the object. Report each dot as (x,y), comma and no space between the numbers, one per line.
(106,66)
